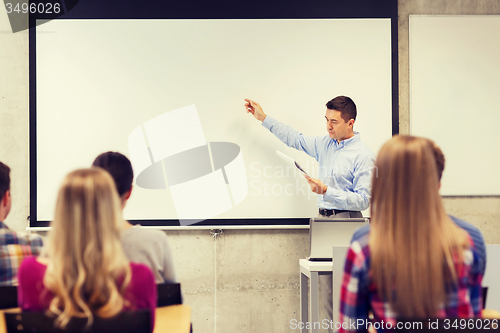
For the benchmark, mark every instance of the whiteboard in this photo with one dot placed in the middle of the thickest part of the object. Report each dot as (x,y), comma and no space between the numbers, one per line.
(102,84)
(490,278)
(455,97)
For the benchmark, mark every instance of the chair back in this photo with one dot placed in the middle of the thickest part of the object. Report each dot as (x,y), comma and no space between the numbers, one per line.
(485,294)
(124,322)
(8,297)
(168,294)
(338,255)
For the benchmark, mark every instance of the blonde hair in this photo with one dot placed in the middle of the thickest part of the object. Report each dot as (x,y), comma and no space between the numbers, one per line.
(414,245)
(87,272)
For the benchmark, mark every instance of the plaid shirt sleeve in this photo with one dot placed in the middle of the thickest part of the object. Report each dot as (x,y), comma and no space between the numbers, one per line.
(14,247)
(475,280)
(358,295)
(354,297)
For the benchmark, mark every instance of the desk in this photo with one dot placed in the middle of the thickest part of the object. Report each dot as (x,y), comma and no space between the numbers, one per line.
(311,270)
(3,329)
(172,319)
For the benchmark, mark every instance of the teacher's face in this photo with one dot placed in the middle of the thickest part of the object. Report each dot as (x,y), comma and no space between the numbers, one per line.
(336,126)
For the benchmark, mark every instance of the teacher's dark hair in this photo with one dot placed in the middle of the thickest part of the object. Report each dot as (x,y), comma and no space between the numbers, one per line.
(119,167)
(345,106)
(4,179)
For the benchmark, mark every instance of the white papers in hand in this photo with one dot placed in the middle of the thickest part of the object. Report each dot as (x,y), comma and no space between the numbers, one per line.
(290,161)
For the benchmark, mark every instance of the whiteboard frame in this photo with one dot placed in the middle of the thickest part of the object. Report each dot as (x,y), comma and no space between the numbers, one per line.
(344,9)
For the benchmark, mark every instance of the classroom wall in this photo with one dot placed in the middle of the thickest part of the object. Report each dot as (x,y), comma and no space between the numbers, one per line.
(484,212)
(242,280)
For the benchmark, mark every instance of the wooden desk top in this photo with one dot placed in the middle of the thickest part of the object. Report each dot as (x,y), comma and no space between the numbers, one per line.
(172,319)
(3,329)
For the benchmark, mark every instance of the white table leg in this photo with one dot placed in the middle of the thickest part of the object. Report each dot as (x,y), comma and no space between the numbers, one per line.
(314,302)
(336,295)
(304,301)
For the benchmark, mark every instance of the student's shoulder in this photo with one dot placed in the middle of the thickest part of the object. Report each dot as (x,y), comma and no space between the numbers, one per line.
(464,224)
(361,234)
(31,261)
(30,268)
(471,229)
(141,272)
(33,239)
(8,236)
(140,231)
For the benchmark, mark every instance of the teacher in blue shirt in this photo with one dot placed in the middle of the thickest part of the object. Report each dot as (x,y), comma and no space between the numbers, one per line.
(345,165)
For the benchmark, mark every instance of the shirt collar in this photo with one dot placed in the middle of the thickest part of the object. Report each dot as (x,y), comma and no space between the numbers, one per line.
(3,225)
(349,141)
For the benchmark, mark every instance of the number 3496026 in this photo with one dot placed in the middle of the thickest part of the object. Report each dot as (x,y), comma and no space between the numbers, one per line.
(40,8)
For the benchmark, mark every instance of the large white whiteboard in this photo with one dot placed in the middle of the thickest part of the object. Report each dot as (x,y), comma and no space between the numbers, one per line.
(98,80)
(490,278)
(455,97)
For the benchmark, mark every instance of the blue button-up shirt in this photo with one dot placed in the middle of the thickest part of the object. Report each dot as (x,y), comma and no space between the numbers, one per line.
(345,167)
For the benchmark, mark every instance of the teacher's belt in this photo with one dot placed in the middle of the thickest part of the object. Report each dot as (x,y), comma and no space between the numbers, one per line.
(330,212)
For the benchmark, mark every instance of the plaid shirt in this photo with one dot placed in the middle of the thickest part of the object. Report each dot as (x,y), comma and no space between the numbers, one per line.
(359,294)
(14,247)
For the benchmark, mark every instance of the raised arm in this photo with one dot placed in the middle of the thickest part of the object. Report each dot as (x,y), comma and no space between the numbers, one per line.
(285,133)
(255,109)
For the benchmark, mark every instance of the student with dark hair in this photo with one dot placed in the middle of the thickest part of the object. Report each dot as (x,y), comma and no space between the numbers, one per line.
(14,246)
(473,231)
(120,168)
(146,246)
(345,166)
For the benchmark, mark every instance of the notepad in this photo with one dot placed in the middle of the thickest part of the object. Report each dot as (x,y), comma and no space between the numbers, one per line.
(291,161)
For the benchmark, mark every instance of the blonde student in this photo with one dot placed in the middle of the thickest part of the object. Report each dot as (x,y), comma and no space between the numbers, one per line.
(83,271)
(414,261)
